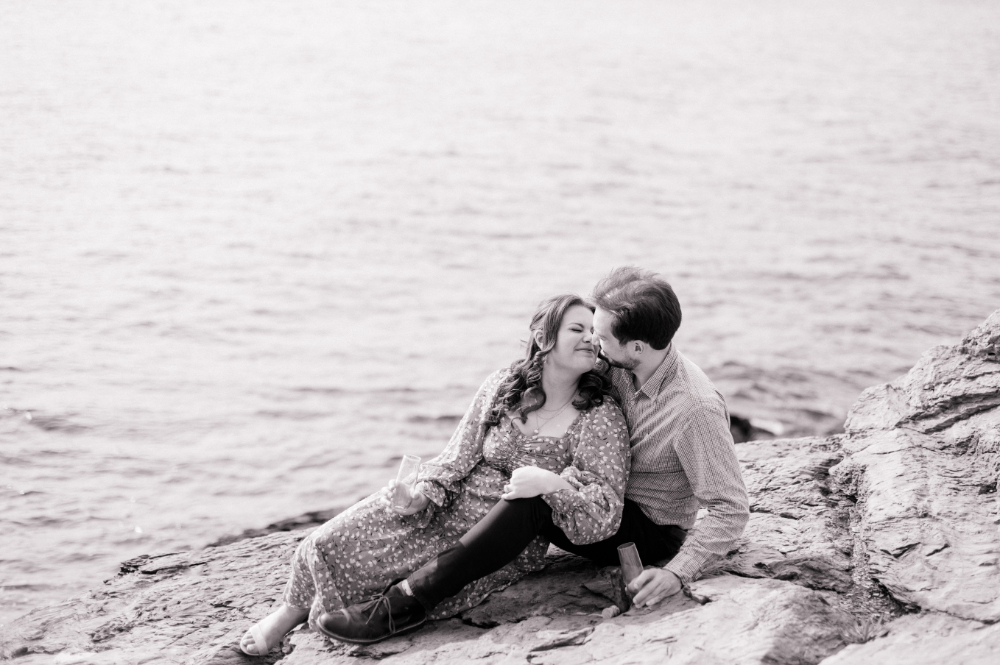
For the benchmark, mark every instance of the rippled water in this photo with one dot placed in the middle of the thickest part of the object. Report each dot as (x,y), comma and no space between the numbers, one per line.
(252,252)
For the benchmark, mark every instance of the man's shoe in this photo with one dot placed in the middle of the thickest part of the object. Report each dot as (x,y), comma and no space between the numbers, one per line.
(379,619)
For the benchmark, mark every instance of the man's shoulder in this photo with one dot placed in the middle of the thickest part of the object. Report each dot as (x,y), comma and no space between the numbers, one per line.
(619,374)
(694,385)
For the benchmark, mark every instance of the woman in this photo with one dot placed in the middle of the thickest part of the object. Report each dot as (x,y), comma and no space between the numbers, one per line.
(545,426)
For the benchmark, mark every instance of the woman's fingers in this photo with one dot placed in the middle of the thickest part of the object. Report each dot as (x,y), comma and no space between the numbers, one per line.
(512,490)
(408,509)
(417,502)
(528,481)
(399,510)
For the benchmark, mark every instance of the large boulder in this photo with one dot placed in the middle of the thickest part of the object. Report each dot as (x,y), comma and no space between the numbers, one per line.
(923,463)
(877,545)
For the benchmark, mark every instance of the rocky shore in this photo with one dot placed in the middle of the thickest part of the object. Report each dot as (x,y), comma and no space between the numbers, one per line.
(878,545)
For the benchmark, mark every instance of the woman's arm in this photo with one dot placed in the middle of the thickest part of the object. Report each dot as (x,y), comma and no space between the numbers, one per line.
(440,477)
(591,508)
(529,481)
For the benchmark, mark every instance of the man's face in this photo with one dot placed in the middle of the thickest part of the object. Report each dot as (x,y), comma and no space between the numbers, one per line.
(616,352)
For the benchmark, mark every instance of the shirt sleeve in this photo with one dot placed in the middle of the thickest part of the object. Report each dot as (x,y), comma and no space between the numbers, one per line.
(592,510)
(706,451)
(440,477)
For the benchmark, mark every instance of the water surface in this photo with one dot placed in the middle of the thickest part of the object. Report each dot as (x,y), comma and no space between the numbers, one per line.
(252,252)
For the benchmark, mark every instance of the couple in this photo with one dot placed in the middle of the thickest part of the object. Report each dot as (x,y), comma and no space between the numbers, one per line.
(556,448)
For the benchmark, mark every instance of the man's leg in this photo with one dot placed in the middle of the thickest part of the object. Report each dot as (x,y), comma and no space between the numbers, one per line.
(510,526)
(656,543)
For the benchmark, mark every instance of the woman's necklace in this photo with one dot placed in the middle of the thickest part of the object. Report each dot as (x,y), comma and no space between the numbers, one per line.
(543,423)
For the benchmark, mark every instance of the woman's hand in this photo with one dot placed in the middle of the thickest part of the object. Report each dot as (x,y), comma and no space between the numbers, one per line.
(417,499)
(529,481)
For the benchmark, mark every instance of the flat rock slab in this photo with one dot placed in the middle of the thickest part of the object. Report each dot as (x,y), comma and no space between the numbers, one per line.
(927,639)
(191,607)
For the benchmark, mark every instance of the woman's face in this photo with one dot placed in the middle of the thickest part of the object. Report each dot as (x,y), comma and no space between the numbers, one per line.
(574,349)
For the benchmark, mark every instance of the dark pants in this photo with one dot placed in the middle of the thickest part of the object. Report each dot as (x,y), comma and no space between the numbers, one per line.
(510,526)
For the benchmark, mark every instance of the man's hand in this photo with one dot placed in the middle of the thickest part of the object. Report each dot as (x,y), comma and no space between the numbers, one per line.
(653,585)
(529,481)
(418,500)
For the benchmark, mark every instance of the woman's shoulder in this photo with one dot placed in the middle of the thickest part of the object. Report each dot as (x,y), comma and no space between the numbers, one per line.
(496,377)
(491,386)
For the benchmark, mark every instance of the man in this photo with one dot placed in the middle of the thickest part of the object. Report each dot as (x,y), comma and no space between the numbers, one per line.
(682,458)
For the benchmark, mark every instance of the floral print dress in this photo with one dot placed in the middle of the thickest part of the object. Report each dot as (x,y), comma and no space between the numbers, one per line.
(358,553)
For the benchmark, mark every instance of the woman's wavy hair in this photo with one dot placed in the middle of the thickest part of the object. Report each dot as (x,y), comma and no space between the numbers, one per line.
(521,391)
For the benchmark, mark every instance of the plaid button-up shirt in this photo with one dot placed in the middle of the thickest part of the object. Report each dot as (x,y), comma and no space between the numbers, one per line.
(683,458)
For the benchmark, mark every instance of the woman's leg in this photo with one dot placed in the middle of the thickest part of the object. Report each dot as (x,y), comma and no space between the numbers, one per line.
(491,544)
(294,609)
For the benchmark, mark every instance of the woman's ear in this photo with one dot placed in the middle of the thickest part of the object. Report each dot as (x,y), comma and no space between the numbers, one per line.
(539,336)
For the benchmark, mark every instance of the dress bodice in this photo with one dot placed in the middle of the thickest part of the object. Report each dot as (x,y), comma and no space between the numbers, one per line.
(506,448)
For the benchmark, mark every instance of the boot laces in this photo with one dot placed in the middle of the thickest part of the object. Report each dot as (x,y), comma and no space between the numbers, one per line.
(382,601)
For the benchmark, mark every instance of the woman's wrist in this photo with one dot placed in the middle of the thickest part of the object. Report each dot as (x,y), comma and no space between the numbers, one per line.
(420,498)
(558,483)
(423,488)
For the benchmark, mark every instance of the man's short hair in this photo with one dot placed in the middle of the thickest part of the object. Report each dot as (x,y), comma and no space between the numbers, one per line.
(643,305)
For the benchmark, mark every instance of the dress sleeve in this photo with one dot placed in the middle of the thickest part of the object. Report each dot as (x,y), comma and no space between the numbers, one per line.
(592,510)
(440,477)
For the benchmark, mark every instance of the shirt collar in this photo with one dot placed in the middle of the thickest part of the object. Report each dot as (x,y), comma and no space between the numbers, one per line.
(663,374)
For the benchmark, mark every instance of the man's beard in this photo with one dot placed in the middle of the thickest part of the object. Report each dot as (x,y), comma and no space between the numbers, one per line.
(627,364)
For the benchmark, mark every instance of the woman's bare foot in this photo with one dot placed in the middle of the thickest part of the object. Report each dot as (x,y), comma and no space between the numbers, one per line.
(272,629)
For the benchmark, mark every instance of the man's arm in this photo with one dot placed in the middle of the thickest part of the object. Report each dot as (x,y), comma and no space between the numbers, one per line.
(707,454)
